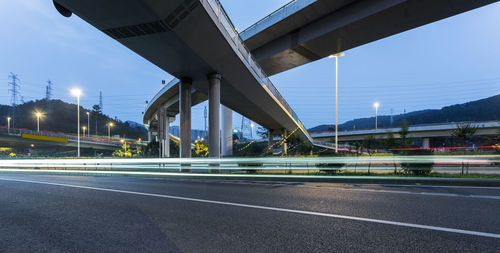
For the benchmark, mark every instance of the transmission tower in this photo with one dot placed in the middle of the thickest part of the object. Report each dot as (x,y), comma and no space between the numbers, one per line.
(48,90)
(100,100)
(14,91)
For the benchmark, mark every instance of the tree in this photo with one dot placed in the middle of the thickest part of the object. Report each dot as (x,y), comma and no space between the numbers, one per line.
(369,144)
(390,141)
(403,134)
(200,149)
(465,132)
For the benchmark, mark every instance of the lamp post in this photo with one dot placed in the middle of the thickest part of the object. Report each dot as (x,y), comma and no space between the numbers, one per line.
(125,144)
(110,124)
(88,122)
(8,124)
(77,93)
(336,56)
(376,105)
(84,128)
(38,115)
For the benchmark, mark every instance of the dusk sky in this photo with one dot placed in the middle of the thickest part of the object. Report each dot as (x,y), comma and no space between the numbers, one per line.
(448,62)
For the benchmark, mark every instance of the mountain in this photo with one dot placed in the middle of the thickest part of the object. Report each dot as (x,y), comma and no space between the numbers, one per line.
(479,110)
(59,116)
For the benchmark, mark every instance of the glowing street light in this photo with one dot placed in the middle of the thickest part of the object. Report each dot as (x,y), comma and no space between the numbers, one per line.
(77,93)
(88,122)
(125,146)
(8,124)
(336,56)
(38,115)
(376,105)
(84,128)
(110,124)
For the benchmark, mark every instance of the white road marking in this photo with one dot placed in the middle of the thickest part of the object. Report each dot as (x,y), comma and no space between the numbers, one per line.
(338,216)
(290,184)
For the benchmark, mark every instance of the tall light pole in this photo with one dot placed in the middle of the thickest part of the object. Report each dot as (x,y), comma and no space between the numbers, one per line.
(38,115)
(376,105)
(88,122)
(336,56)
(8,124)
(125,144)
(110,124)
(77,93)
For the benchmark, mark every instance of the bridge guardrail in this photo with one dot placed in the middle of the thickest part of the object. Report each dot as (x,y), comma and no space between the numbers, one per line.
(248,58)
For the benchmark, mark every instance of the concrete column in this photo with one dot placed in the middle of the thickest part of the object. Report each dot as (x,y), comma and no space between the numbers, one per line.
(161,133)
(285,146)
(185,117)
(149,135)
(269,138)
(426,142)
(227,131)
(166,138)
(214,115)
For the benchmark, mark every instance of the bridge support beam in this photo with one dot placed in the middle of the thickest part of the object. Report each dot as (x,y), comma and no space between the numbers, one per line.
(185,117)
(214,115)
(227,131)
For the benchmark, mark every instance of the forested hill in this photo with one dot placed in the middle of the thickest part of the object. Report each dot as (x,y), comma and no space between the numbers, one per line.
(479,110)
(59,116)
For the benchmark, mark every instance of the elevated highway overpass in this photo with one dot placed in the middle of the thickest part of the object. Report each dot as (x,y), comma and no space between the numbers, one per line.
(195,41)
(304,31)
(424,132)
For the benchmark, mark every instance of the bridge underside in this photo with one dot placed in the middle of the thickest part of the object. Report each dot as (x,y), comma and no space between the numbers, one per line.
(308,30)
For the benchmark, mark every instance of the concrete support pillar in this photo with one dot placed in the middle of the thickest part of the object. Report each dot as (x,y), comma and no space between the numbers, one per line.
(149,135)
(161,133)
(185,117)
(426,143)
(269,138)
(227,131)
(166,138)
(285,146)
(214,115)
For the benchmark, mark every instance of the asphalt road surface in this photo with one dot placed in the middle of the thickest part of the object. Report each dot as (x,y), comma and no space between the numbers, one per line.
(62,213)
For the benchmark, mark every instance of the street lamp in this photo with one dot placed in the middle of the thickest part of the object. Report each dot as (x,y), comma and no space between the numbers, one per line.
(84,128)
(336,56)
(8,124)
(77,93)
(110,124)
(376,105)
(88,122)
(38,115)
(125,146)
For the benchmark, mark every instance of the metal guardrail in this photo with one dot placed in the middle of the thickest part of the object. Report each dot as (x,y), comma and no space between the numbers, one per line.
(266,17)
(248,58)
(87,139)
(477,164)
